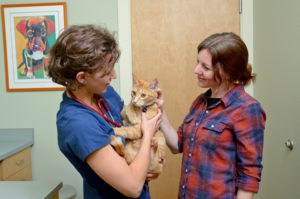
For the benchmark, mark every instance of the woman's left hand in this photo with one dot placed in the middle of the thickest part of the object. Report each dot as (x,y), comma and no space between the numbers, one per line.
(160,98)
(153,176)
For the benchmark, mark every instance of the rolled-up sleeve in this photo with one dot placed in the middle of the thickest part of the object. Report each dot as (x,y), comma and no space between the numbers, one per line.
(249,134)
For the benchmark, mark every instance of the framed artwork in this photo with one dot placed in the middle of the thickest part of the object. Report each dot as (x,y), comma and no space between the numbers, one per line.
(29,31)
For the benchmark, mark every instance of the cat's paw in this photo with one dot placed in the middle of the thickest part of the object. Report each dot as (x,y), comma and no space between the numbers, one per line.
(117,143)
(154,142)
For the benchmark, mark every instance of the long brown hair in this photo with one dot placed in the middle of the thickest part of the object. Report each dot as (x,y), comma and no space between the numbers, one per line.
(230,54)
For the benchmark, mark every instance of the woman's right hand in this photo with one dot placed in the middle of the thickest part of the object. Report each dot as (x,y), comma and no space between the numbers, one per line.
(150,126)
(160,99)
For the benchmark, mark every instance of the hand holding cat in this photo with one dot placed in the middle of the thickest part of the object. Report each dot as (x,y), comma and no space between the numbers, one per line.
(153,176)
(150,126)
(160,99)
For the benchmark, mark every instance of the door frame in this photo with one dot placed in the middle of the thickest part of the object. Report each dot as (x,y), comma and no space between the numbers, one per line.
(124,36)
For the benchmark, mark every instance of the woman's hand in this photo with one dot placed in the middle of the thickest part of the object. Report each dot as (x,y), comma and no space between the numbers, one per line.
(160,99)
(153,176)
(151,125)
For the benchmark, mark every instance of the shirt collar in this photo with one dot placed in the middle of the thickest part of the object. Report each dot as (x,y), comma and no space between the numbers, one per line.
(229,97)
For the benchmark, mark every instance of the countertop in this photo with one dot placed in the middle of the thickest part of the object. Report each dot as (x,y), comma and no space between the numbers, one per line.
(29,189)
(14,140)
(11,142)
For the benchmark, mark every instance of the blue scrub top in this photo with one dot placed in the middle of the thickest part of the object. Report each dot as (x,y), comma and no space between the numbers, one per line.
(81,131)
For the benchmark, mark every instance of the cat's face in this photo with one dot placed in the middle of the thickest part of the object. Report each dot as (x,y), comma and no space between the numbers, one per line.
(143,93)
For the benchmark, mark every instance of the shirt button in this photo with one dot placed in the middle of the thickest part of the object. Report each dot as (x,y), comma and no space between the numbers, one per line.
(212,126)
(192,139)
(206,111)
(186,170)
(190,154)
(183,186)
(197,123)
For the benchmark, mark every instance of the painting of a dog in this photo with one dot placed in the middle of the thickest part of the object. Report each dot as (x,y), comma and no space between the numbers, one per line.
(36,30)
(29,32)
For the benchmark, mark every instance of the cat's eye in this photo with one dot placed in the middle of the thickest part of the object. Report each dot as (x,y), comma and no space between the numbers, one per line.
(133,93)
(143,95)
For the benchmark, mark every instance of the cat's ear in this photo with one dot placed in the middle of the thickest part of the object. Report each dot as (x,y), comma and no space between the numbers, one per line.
(134,79)
(154,84)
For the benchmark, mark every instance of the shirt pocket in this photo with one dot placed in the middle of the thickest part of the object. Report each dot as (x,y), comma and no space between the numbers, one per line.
(211,134)
(186,128)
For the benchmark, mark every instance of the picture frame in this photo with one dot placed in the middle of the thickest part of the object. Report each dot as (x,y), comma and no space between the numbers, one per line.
(29,31)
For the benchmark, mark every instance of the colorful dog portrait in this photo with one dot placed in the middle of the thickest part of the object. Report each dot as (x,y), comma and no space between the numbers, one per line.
(34,37)
(29,32)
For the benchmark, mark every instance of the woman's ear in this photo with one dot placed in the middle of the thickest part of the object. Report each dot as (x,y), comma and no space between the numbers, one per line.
(224,76)
(81,77)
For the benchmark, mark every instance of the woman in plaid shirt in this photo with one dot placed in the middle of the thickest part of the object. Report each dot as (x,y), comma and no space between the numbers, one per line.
(221,137)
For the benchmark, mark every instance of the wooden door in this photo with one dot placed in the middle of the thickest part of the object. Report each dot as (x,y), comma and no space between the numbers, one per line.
(165,35)
(276,57)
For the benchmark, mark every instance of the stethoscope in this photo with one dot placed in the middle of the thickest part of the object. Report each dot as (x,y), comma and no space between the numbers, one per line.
(100,104)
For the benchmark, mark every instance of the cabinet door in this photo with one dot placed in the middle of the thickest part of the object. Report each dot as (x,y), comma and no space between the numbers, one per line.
(24,174)
(17,166)
(165,36)
(276,59)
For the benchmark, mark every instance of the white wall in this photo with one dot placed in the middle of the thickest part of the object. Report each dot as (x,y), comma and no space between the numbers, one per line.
(247,33)
(125,61)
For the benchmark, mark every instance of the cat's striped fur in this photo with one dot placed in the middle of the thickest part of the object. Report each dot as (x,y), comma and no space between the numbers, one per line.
(143,95)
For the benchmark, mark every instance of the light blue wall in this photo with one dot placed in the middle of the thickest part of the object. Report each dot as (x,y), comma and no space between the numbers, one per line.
(38,109)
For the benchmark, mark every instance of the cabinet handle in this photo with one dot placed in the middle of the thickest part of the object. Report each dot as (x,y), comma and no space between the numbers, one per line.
(20,162)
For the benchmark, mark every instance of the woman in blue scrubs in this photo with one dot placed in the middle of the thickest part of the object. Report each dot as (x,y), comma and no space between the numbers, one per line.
(82,59)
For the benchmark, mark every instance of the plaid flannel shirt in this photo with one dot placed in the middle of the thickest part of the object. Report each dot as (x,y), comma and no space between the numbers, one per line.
(222,146)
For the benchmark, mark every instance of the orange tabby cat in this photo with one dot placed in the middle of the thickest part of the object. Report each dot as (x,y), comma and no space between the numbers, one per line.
(143,96)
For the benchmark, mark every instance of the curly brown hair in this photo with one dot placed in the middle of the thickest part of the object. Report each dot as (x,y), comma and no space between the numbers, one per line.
(86,48)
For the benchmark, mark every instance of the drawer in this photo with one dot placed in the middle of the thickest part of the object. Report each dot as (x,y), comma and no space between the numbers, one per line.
(22,175)
(15,163)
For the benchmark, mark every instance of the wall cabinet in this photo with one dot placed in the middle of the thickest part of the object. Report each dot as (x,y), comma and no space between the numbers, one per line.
(17,167)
